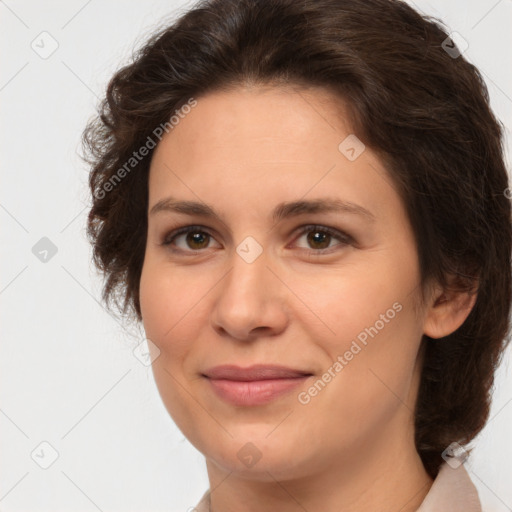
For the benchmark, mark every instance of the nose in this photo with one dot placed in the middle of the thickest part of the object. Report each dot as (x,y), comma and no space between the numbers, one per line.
(250,301)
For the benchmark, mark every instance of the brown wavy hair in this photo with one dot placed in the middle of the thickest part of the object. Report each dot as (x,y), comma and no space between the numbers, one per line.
(423,109)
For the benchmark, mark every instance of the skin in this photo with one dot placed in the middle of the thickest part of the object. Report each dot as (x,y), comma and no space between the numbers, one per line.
(351,447)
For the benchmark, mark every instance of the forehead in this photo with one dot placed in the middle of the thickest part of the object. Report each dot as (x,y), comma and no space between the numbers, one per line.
(264,144)
(247,120)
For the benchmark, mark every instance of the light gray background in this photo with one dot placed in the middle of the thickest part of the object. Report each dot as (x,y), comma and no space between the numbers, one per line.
(68,374)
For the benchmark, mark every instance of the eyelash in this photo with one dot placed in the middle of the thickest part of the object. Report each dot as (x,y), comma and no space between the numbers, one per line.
(342,237)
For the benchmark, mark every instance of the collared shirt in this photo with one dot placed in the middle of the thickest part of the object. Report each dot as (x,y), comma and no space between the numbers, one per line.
(452,491)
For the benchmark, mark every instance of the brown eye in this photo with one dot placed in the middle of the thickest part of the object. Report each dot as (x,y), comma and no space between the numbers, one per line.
(194,239)
(319,238)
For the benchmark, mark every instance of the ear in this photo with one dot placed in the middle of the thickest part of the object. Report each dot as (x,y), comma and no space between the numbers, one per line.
(447,310)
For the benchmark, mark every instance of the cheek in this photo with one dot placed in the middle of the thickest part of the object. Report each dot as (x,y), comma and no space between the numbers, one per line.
(373,328)
(352,303)
(154,303)
(372,357)
(167,310)
(170,322)
(365,385)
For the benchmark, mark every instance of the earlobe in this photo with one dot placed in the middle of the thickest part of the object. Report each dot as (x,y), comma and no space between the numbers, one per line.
(447,312)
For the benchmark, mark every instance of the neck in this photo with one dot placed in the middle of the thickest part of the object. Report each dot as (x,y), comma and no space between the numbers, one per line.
(386,477)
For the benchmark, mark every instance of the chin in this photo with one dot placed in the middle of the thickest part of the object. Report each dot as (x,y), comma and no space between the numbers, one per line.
(260,458)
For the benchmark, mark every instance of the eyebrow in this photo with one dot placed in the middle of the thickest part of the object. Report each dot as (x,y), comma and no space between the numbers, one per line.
(281,211)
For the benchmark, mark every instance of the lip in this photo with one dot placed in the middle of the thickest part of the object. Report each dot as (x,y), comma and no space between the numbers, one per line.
(254,385)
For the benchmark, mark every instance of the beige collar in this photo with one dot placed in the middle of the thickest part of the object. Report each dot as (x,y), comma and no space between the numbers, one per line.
(452,491)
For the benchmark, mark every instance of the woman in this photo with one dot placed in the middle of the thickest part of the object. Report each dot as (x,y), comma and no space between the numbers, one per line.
(305,204)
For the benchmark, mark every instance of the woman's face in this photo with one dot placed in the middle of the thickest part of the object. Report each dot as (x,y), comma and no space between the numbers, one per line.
(260,282)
